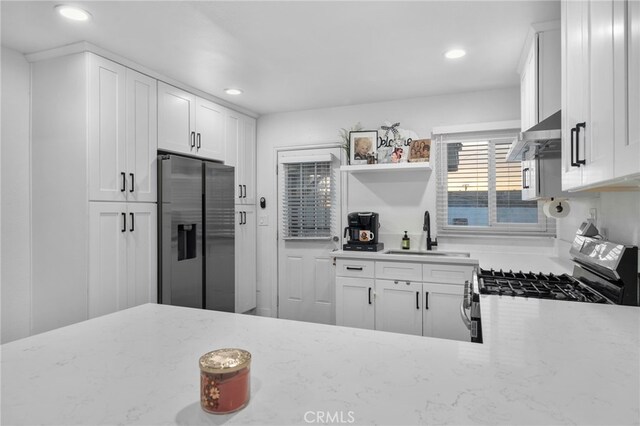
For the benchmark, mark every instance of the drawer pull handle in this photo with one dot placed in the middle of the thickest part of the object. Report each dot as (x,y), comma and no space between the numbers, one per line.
(395,282)
(408,283)
(352,268)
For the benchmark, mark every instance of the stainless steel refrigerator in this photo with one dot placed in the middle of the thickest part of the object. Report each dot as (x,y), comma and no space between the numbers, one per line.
(196,233)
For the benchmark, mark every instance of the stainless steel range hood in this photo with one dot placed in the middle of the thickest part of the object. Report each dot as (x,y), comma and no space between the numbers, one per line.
(544,137)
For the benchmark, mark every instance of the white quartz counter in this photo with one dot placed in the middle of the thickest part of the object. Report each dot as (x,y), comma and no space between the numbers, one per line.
(486,260)
(544,362)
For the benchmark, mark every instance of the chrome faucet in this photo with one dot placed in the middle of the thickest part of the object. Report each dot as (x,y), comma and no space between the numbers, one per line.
(427,227)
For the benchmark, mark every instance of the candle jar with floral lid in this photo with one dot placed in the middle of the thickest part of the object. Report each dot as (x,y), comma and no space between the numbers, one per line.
(224,380)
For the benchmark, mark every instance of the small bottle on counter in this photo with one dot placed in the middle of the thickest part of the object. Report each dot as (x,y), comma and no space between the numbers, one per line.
(224,380)
(406,242)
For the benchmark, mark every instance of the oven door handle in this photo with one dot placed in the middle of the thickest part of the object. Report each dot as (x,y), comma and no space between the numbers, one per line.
(464,316)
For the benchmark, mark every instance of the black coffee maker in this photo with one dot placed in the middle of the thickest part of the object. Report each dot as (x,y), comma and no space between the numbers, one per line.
(362,232)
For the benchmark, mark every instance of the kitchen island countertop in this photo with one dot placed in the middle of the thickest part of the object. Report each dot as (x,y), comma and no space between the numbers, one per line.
(543,362)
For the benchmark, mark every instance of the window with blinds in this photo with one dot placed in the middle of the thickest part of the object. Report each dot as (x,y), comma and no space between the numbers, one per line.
(307,200)
(479,192)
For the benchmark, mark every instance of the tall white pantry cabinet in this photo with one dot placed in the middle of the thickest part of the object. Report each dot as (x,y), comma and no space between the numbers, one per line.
(93,161)
(240,140)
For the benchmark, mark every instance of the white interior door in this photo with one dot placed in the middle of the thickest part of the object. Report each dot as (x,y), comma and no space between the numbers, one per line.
(306,275)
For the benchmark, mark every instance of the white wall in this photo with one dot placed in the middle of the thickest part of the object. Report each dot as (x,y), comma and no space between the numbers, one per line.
(617,218)
(16,266)
(402,199)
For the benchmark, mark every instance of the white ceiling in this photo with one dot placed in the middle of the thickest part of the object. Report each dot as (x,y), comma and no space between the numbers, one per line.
(296,55)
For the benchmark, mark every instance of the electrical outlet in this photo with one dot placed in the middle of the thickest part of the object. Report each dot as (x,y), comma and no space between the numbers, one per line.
(263,220)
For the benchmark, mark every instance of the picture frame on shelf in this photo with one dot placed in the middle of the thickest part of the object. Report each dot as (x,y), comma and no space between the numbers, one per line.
(420,151)
(362,144)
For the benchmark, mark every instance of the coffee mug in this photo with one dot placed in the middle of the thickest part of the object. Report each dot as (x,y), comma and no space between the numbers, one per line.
(366,235)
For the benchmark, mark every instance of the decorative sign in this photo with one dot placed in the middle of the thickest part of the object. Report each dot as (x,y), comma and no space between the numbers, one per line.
(394,143)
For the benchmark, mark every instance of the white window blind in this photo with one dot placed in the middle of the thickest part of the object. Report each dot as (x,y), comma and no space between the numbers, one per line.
(479,192)
(307,197)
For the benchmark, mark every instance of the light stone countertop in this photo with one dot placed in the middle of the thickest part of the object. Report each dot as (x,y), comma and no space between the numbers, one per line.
(486,260)
(543,362)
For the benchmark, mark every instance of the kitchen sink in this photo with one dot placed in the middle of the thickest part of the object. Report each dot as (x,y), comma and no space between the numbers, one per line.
(427,253)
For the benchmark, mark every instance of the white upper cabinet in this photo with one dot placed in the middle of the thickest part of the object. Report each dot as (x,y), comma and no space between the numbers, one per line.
(176,119)
(540,74)
(107,130)
(240,143)
(627,151)
(528,92)
(142,137)
(209,129)
(122,133)
(598,147)
(190,125)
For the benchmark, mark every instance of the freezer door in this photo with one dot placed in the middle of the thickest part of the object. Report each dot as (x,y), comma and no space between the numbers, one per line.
(219,237)
(181,230)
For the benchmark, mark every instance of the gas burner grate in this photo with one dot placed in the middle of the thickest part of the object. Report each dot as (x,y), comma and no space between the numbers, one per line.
(539,286)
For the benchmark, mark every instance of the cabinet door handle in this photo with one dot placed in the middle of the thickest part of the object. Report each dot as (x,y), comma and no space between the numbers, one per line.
(198,145)
(245,191)
(426,300)
(417,300)
(353,268)
(132,223)
(123,187)
(370,295)
(245,217)
(525,173)
(131,175)
(193,139)
(240,216)
(240,191)
(573,139)
(578,160)
(124,222)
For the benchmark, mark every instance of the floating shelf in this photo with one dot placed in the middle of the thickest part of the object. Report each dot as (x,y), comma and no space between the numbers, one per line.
(396,167)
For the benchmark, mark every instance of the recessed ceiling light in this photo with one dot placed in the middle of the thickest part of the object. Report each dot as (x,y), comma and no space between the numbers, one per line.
(73,13)
(455,53)
(233,91)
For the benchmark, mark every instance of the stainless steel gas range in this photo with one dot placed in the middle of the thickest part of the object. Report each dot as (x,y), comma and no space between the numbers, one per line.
(604,272)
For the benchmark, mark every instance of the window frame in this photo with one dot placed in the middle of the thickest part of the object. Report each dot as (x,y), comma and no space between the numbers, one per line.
(545,227)
(317,161)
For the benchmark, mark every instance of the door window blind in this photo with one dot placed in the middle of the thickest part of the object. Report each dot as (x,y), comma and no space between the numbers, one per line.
(307,197)
(479,192)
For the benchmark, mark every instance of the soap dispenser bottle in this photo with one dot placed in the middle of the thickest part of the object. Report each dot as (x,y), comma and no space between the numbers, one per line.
(406,242)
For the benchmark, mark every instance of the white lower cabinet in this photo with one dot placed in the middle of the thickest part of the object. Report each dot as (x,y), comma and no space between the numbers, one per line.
(354,302)
(441,312)
(245,258)
(392,296)
(398,306)
(122,256)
